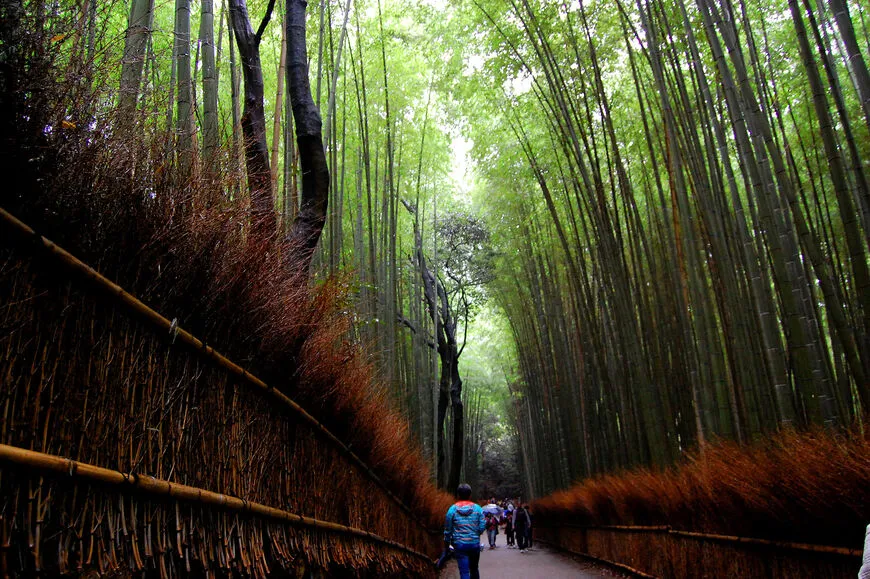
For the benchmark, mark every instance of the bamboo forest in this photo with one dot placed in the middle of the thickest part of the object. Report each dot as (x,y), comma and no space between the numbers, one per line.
(336,288)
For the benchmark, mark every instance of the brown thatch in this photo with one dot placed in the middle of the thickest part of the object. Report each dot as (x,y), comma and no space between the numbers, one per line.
(793,506)
(647,553)
(82,380)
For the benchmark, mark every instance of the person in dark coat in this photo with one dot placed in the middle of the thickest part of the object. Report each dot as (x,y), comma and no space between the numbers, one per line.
(509,529)
(522,524)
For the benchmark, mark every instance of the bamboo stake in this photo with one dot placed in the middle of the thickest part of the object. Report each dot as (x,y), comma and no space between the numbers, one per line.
(148,485)
(23,232)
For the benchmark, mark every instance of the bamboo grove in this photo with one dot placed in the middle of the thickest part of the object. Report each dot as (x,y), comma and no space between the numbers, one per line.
(686,188)
(671,206)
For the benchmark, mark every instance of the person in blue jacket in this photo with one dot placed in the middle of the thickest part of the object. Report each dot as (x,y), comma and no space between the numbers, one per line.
(462,529)
(864,573)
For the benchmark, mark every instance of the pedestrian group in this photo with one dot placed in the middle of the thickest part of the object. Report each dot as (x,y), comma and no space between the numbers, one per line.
(467,520)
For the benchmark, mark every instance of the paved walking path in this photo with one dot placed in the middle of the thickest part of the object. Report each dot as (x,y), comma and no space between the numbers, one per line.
(504,563)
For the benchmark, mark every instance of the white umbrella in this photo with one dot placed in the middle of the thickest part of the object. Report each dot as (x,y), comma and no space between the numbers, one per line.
(492,509)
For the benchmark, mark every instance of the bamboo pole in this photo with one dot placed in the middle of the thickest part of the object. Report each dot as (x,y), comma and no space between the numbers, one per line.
(64,467)
(633,529)
(41,244)
(825,549)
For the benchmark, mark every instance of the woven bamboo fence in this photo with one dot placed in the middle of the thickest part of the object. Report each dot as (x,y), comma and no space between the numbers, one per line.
(664,552)
(127,448)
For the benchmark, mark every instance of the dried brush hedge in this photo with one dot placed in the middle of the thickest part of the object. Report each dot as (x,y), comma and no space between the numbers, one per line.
(811,488)
(81,378)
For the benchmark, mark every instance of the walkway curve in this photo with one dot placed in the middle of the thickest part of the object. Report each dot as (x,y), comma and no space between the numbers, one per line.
(540,562)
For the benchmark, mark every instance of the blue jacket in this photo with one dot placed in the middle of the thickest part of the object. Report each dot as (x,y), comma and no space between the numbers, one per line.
(464,524)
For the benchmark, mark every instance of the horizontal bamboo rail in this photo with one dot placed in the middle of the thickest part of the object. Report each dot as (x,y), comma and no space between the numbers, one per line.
(631,529)
(66,468)
(25,233)
(823,549)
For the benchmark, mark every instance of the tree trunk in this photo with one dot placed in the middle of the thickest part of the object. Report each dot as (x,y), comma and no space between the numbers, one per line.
(311,218)
(235,165)
(860,75)
(279,104)
(135,44)
(184,114)
(263,221)
(210,134)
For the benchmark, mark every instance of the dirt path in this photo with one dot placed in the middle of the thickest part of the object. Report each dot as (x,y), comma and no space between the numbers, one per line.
(504,563)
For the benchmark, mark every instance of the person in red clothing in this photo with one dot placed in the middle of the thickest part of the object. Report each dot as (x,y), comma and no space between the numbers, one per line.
(491,529)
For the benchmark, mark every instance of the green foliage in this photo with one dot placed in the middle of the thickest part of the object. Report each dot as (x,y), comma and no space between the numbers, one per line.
(465,259)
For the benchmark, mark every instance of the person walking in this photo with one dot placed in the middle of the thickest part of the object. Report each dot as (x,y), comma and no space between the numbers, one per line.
(521,527)
(491,529)
(509,528)
(530,530)
(864,572)
(462,529)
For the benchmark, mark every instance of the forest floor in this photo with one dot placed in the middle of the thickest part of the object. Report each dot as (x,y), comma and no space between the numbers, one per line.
(540,562)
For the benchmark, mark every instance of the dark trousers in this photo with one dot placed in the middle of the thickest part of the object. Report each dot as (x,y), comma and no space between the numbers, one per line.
(522,538)
(469,561)
(509,532)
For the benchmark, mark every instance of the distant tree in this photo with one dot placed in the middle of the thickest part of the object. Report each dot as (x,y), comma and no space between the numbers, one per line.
(465,259)
(466,262)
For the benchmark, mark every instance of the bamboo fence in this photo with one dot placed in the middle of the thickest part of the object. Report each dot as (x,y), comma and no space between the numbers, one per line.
(160,323)
(153,487)
(660,551)
(110,382)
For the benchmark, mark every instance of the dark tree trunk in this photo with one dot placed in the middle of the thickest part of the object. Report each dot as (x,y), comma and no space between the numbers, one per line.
(311,218)
(450,383)
(263,221)
(457,406)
